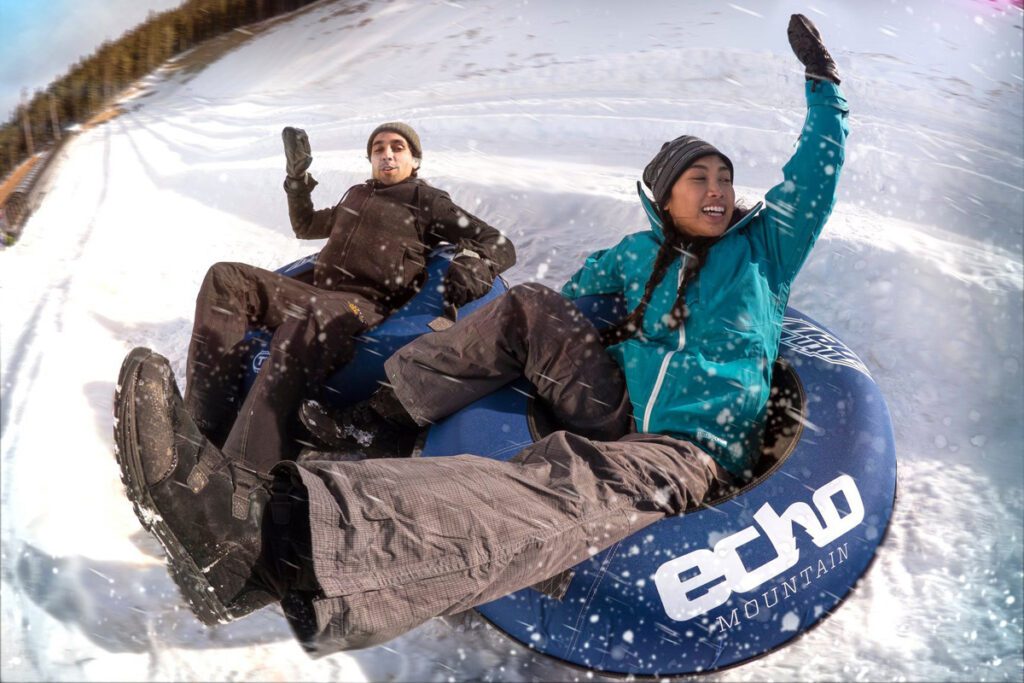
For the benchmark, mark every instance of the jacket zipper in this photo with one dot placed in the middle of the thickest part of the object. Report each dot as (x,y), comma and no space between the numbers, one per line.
(668,357)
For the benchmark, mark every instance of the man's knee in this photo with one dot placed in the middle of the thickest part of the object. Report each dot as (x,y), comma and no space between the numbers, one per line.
(223,275)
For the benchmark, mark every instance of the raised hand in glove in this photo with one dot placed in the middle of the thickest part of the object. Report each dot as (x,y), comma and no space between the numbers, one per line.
(806,42)
(469,277)
(296,152)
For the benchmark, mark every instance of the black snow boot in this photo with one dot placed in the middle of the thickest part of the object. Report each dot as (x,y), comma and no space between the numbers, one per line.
(205,511)
(378,427)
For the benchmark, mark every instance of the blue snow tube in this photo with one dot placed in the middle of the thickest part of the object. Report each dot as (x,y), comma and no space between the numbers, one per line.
(741,576)
(360,376)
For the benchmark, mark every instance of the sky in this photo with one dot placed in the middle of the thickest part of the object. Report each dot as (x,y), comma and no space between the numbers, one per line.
(40,40)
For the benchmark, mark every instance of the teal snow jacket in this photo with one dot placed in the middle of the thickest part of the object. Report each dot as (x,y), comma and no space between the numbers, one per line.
(708,381)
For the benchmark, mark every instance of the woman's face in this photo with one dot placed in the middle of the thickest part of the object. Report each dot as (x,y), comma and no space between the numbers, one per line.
(703,198)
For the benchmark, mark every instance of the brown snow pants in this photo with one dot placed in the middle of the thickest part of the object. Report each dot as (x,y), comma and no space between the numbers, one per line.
(313,332)
(396,542)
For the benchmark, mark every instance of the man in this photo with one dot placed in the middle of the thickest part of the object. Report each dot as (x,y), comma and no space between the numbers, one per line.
(378,238)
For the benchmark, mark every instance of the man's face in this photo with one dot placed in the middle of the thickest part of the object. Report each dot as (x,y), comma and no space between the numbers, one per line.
(391,158)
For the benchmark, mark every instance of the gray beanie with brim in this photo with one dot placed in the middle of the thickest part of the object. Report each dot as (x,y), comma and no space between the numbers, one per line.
(672,160)
(403,129)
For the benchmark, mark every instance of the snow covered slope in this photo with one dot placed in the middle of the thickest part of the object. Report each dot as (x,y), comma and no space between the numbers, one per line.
(539,117)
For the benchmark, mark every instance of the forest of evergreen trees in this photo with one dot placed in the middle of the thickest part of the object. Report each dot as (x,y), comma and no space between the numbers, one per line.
(88,85)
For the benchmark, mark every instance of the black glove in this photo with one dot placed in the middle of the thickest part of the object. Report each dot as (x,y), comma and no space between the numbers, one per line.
(806,42)
(468,278)
(297,152)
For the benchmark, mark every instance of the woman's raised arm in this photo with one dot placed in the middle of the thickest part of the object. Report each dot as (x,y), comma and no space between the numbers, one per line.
(798,207)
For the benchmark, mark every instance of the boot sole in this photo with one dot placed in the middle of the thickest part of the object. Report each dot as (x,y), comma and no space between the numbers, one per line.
(194,587)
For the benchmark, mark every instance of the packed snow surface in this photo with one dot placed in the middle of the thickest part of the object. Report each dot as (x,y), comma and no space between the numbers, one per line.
(539,117)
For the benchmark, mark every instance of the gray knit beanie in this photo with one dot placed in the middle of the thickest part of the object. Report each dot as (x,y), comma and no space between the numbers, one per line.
(403,129)
(672,160)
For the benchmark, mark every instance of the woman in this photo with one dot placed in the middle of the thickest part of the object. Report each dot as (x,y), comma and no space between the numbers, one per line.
(360,552)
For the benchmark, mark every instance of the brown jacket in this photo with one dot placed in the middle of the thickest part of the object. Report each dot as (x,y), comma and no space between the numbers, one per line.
(379,236)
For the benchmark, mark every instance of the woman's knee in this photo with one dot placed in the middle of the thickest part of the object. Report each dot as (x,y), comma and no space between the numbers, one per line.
(538,301)
(532,291)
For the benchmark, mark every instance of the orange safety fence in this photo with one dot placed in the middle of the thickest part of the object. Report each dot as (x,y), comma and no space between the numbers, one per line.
(16,176)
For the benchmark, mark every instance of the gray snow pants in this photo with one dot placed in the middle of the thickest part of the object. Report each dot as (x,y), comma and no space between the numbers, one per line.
(396,542)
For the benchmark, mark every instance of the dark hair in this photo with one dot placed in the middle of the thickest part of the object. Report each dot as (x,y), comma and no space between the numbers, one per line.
(674,244)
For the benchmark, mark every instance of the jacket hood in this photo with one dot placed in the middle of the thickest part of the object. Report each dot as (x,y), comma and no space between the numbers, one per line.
(659,229)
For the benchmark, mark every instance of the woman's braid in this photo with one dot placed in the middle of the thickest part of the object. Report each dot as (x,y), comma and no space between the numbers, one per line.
(695,252)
